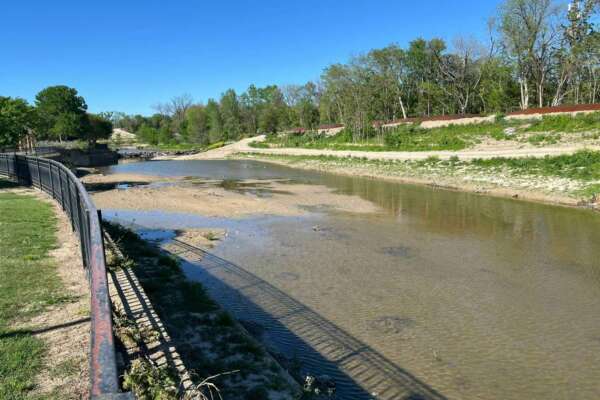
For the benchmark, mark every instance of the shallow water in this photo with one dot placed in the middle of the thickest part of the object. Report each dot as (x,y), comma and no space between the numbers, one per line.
(441,294)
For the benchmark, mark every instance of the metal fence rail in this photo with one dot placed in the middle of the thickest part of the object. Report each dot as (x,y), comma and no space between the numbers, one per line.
(58,181)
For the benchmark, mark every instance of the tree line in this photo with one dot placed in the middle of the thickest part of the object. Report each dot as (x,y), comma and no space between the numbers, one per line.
(539,53)
(59,113)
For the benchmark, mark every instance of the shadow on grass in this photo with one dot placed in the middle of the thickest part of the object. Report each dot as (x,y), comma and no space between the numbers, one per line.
(23,332)
(4,184)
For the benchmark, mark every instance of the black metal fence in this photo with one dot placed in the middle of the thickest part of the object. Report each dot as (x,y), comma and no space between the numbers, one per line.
(58,181)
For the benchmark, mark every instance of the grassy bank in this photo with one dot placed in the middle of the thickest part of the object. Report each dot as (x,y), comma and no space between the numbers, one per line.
(29,285)
(209,341)
(180,147)
(571,179)
(410,137)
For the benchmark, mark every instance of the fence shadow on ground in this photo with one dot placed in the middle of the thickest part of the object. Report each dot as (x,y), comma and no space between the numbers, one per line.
(128,295)
(300,333)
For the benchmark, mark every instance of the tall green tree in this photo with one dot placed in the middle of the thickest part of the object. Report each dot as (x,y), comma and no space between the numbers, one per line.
(215,123)
(529,30)
(96,127)
(229,107)
(197,124)
(62,112)
(17,119)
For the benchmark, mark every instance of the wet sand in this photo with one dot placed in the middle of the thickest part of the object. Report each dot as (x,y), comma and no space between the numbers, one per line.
(211,198)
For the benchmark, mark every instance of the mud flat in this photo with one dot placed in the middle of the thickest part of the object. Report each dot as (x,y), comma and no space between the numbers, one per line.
(225,199)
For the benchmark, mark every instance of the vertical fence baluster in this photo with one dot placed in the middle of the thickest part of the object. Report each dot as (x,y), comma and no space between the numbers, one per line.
(39,172)
(51,179)
(61,187)
(70,197)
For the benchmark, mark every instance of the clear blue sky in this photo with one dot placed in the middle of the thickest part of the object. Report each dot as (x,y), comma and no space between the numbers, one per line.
(128,55)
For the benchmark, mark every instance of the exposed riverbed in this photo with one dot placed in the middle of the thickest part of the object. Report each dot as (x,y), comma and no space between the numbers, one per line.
(393,289)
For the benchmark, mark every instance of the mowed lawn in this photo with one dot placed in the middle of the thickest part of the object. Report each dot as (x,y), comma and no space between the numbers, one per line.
(29,284)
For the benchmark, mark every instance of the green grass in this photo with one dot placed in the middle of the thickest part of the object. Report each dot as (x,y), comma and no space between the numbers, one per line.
(542,138)
(583,165)
(401,138)
(177,147)
(566,123)
(215,145)
(28,285)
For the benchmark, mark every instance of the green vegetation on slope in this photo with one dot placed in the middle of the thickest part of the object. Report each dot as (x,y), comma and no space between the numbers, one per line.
(411,137)
(401,138)
(28,285)
(583,165)
(566,123)
(581,168)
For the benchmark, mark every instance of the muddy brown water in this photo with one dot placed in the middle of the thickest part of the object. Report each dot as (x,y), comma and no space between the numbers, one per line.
(440,295)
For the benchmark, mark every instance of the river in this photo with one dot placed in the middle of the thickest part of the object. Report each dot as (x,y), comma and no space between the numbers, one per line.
(438,294)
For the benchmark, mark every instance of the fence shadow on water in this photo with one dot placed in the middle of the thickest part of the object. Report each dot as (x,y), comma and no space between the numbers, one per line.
(297,331)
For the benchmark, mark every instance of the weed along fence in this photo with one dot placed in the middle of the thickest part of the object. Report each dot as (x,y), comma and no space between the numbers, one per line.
(58,181)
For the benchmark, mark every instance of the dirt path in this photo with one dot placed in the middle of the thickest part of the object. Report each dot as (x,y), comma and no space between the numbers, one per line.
(243,146)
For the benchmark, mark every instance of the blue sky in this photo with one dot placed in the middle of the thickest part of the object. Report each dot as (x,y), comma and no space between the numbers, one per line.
(128,55)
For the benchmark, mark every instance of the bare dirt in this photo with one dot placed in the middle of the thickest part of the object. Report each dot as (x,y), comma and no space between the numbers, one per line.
(207,198)
(511,149)
(99,178)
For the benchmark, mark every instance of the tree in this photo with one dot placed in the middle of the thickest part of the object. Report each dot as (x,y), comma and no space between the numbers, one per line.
(215,124)
(389,63)
(197,124)
(148,134)
(250,109)
(529,32)
(175,110)
(272,110)
(17,119)
(61,112)
(578,58)
(97,127)
(460,72)
(176,107)
(230,115)
(302,102)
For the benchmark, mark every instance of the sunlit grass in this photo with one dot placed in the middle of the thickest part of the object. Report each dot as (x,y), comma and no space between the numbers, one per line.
(28,285)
